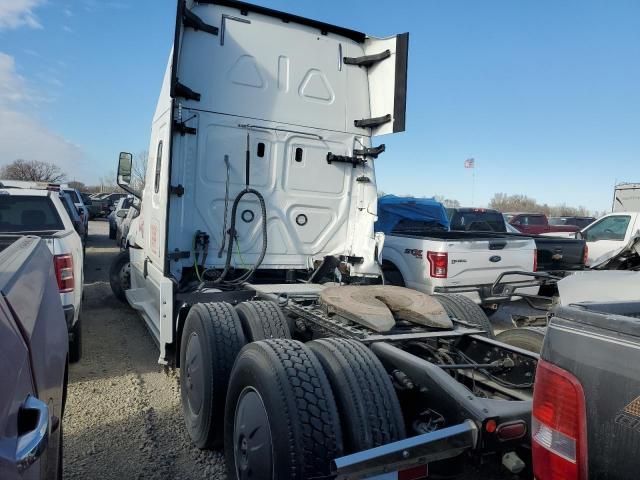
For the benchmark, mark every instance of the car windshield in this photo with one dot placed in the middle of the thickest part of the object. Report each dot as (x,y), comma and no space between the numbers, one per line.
(28,214)
(478,221)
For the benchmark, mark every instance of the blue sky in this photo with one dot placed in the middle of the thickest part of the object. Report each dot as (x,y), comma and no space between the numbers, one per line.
(544,94)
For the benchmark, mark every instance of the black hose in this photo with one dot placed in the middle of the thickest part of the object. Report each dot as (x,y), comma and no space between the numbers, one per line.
(232,234)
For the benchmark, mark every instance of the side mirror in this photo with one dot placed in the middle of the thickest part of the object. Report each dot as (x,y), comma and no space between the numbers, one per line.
(121,213)
(579,236)
(125,164)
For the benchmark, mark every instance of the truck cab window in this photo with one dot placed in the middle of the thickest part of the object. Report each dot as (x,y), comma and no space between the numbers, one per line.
(156,184)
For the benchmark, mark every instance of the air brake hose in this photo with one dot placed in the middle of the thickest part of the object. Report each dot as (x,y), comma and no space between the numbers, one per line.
(232,229)
(232,237)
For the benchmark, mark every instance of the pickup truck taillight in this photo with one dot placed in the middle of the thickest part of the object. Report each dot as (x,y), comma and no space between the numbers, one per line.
(535,260)
(559,443)
(438,264)
(586,254)
(64,272)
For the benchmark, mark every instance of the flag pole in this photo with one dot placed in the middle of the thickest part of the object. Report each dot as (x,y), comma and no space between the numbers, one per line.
(473,186)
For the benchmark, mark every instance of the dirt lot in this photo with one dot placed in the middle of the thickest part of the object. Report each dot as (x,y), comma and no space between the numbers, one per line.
(123,419)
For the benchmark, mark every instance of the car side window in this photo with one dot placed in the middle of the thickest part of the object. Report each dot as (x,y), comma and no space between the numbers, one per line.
(610,228)
(156,184)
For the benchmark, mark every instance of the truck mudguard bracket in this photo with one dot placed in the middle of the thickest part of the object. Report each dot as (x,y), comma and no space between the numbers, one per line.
(404,454)
(355,161)
(370,151)
(351,259)
(367,60)
(183,129)
(181,90)
(372,122)
(191,20)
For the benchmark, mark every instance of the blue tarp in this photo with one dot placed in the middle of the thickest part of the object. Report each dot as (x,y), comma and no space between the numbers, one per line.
(392,209)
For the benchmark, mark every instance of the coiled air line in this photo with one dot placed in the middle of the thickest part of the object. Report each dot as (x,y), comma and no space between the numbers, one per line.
(232,229)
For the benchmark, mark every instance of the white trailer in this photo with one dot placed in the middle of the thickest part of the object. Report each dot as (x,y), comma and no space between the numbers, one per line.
(626,198)
(255,264)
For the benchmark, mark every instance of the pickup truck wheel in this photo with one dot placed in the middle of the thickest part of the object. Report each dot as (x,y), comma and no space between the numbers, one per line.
(281,418)
(120,275)
(369,410)
(262,320)
(75,345)
(465,309)
(211,340)
(527,338)
(392,275)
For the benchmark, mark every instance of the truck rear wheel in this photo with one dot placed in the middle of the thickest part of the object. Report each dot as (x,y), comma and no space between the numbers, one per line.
(120,275)
(465,309)
(369,410)
(281,418)
(211,340)
(527,338)
(262,320)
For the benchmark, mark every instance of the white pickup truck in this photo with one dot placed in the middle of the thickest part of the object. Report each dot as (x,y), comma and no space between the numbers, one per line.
(608,235)
(41,213)
(421,253)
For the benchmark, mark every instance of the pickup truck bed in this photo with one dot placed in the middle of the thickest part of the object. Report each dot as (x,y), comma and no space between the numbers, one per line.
(471,261)
(598,346)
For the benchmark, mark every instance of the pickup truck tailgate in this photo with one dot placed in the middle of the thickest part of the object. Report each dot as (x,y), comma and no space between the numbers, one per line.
(602,350)
(480,262)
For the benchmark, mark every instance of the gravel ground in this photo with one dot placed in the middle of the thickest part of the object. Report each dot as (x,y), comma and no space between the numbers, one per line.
(123,419)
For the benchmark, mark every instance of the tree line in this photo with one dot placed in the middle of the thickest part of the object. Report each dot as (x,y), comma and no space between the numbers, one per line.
(37,171)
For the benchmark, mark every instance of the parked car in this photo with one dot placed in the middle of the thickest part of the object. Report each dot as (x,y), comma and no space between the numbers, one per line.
(34,351)
(123,230)
(552,254)
(586,408)
(608,236)
(117,216)
(74,215)
(83,210)
(476,220)
(536,223)
(420,251)
(42,213)
(579,222)
(104,204)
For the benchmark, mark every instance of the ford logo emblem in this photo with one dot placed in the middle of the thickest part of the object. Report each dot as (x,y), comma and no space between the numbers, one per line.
(495,258)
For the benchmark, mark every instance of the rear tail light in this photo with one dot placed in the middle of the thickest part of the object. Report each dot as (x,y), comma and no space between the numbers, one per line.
(559,443)
(535,260)
(586,253)
(64,272)
(438,264)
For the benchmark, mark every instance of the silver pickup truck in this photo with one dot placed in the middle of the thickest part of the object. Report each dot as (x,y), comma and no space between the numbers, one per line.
(34,359)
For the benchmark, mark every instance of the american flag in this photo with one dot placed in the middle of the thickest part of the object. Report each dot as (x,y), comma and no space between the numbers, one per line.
(469,163)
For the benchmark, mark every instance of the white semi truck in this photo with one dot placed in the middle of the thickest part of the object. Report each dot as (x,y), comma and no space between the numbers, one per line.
(255,265)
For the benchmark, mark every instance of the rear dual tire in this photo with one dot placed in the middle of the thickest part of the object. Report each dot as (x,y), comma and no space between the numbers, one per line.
(292,408)
(211,339)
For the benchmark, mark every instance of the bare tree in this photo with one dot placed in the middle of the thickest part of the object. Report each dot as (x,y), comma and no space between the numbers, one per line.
(139,172)
(80,186)
(447,202)
(32,170)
